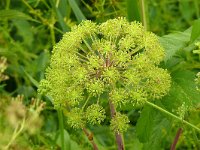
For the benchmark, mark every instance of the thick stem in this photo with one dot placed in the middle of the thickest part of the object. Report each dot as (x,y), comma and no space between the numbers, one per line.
(90,138)
(118,136)
(178,134)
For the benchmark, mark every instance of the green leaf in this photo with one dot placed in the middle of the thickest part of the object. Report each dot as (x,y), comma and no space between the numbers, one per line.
(78,13)
(145,124)
(14,14)
(133,10)
(74,145)
(174,42)
(195,30)
(151,128)
(66,139)
(183,90)
(24,30)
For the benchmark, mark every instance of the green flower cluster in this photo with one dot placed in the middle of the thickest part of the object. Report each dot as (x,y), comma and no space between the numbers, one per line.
(115,58)
(119,123)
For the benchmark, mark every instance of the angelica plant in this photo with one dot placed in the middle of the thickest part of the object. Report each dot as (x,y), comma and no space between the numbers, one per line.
(115,63)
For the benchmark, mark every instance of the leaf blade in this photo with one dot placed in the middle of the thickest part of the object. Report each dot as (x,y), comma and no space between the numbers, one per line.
(77,11)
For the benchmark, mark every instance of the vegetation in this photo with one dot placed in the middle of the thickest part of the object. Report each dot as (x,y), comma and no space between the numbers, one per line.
(106,74)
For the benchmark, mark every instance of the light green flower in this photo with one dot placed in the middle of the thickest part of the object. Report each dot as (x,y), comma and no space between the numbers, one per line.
(119,123)
(76,118)
(117,60)
(119,97)
(95,114)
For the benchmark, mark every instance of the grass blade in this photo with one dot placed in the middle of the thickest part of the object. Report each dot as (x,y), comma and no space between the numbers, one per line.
(78,13)
(14,14)
(60,13)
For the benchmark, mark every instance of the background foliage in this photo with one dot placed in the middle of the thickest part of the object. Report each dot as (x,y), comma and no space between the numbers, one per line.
(30,28)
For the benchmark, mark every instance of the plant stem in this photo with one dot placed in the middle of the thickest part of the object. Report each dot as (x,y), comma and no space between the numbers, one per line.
(33,11)
(172,115)
(15,134)
(118,136)
(60,118)
(144,18)
(90,138)
(51,26)
(86,102)
(178,134)
(52,35)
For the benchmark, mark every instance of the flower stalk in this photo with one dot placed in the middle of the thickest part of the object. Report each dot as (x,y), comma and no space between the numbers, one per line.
(16,133)
(178,134)
(90,138)
(118,136)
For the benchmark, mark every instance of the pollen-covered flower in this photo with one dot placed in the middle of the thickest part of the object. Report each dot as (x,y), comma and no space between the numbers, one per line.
(116,58)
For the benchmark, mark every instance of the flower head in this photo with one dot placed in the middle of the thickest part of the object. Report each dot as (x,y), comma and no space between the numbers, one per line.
(115,57)
(119,123)
(76,118)
(95,114)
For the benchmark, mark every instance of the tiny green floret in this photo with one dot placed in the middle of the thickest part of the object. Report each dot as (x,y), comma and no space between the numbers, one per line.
(117,61)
